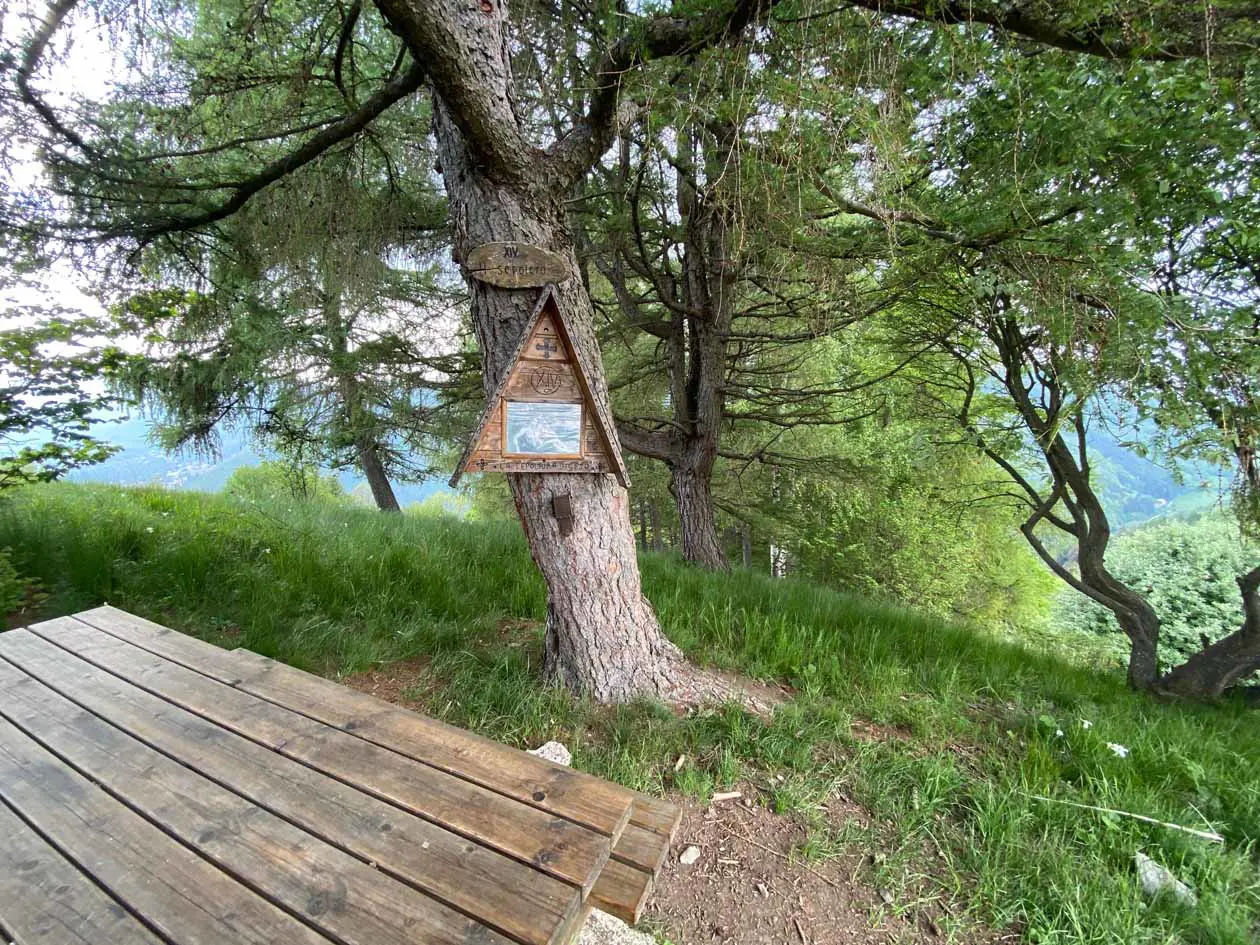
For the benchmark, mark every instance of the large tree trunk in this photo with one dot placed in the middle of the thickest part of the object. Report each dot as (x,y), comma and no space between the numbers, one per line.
(603,639)
(378,482)
(689,482)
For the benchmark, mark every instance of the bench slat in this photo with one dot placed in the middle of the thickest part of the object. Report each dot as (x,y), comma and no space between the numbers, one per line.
(574,795)
(185,898)
(46,898)
(503,893)
(297,871)
(622,891)
(558,847)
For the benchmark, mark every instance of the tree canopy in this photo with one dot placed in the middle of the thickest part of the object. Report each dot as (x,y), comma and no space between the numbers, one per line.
(794,226)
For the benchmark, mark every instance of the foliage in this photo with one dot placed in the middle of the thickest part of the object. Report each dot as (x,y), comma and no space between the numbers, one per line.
(942,734)
(12,586)
(53,365)
(274,481)
(1187,569)
(912,526)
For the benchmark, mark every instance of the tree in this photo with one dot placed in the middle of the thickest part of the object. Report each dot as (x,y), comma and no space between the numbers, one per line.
(602,635)
(707,314)
(53,374)
(311,334)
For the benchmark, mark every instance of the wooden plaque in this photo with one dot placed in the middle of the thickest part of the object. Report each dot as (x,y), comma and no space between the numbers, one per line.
(542,417)
(516,265)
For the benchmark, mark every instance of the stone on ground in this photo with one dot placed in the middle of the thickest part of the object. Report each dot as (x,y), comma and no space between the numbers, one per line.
(689,856)
(604,929)
(554,751)
(1156,879)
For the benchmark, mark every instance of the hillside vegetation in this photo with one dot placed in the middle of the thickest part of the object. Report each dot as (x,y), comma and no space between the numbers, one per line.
(949,738)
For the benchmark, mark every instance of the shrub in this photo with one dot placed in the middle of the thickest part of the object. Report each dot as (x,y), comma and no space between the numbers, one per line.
(1187,569)
(274,480)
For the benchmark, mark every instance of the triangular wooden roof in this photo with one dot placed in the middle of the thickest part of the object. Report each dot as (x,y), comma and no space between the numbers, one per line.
(582,345)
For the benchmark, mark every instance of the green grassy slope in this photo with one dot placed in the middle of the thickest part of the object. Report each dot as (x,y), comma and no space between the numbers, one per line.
(976,720)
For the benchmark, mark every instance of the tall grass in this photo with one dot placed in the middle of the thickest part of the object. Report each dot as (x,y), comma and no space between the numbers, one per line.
(969,729)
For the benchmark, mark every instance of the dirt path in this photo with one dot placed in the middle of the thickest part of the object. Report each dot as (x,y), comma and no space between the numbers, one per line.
(748,888)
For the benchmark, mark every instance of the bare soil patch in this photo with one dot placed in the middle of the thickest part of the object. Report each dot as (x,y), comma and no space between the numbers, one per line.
(401,683)
(749,888)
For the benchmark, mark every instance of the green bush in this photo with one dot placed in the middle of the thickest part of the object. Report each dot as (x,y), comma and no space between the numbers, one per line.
(275,480)
(12,586)
(1187,569)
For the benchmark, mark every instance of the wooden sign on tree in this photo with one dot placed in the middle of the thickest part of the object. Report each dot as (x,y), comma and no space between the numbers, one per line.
(542,417)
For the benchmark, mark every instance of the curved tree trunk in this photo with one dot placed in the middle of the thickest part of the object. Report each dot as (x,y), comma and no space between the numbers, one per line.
(1074,507)
(1228,661)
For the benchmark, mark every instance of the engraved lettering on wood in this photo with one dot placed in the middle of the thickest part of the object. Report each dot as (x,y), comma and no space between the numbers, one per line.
(546,381)
(516,265)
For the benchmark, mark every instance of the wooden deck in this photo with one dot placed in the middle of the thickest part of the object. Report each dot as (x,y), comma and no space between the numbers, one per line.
(156,789)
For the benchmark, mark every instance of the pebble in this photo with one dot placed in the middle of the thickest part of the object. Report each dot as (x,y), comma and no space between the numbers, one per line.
(689,856)
(555,752)
(1156,880)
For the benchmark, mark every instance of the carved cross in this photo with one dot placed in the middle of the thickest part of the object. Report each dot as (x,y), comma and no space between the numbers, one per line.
(547,347)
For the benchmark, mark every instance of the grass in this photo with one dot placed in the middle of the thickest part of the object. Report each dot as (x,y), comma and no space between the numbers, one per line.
(972,722)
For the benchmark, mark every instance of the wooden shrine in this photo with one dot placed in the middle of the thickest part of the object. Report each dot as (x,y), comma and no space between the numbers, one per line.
(543,418)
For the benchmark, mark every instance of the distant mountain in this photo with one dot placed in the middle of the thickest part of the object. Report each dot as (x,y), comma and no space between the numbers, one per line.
(1136,490)
(140,461)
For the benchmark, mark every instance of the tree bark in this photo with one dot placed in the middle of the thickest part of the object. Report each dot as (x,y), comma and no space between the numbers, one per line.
(1228,661)
(746,533)
(374,472)
(690,483)
(603,639)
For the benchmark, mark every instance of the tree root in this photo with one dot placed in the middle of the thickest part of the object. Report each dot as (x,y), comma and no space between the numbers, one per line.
(692,687)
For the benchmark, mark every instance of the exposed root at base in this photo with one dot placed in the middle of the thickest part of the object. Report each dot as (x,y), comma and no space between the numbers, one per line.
(690,686)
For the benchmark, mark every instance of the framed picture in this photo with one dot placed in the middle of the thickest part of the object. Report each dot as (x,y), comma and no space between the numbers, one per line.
(543,429)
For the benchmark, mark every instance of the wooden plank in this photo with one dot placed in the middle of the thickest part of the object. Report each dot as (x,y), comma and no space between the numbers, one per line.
(487,462)
(574,795)
(185,899)
(516,265)
(626,882)
(568,851)
(46,900)
(622,891)
(656,814)
(642,848)
(546,381)
(332,890)
(504,894)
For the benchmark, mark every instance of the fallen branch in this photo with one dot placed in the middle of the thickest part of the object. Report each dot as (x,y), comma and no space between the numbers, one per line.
(1205,834)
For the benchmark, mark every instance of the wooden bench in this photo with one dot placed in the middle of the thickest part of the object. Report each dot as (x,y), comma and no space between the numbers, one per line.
(156,788)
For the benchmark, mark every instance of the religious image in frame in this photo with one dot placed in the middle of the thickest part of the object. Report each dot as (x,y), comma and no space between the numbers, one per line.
(533,428)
